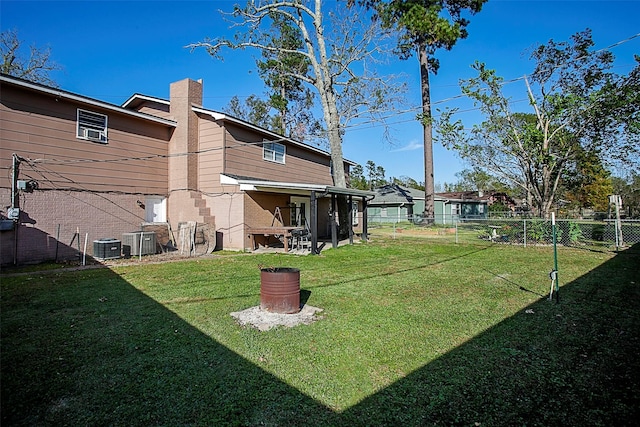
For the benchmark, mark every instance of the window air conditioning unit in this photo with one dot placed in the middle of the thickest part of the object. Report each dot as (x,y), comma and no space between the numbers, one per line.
(94,135)
(139,243)
(107,248)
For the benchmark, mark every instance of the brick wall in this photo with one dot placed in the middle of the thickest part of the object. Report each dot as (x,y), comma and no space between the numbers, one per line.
(47,214)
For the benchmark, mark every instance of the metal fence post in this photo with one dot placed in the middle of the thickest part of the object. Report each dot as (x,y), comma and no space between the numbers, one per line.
(456,232)
(525,232)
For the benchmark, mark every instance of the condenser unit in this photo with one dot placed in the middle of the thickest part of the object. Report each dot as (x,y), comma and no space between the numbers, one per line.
(106,248)
(139,243)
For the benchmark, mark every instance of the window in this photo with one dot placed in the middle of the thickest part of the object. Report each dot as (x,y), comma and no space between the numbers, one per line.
(455,209)
(92,126)
(273,152)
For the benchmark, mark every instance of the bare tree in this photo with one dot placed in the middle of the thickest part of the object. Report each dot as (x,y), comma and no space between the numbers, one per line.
(35,68)
(340,56)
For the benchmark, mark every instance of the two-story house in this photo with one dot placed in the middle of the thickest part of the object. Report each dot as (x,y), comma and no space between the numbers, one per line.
(76,169)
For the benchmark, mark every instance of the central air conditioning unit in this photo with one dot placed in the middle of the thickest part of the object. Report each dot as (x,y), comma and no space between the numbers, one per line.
(106,248)
(139,243)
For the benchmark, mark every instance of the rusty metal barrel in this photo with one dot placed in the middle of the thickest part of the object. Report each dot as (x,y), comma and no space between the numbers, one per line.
(280,290)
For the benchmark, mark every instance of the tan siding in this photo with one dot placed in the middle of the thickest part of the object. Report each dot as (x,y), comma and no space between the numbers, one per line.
(211,154)
(155,109)
(36,126)
(243,157)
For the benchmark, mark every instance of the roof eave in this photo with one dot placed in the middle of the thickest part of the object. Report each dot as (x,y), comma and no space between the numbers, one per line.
(225,117)
(258,185)
(61,94)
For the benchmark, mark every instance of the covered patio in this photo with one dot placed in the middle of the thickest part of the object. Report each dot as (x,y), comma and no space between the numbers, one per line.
(295,212)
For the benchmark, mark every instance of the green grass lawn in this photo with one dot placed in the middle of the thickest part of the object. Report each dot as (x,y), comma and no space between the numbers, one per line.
(414,332)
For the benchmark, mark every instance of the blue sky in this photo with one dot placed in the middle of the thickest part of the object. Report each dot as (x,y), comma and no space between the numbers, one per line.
(110,50)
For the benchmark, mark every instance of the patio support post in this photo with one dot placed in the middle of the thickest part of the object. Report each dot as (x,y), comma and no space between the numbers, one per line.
(314,223)
(334,225)
(364,219)
(350,220)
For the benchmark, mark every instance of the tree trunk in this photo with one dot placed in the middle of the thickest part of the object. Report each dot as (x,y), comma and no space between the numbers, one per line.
(429,203)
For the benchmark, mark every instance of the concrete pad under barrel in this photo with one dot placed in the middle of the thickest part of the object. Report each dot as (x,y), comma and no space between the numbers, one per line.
(264,320)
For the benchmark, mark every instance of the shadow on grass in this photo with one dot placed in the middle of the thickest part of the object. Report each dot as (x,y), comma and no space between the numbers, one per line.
(572,364)
(103,353)
(106,354)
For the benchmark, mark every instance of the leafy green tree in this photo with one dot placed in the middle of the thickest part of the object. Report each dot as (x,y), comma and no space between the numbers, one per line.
(629,189)
(357,178)
(288,94)
(618,129)
(588,184)
(475,180)
(35,67)
(376,175)
(408,182)
(572,113)
(253,110)
(424,26)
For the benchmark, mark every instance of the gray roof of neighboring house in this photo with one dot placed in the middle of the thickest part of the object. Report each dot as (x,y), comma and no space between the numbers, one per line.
(392,195)
(466,196)
(397,195)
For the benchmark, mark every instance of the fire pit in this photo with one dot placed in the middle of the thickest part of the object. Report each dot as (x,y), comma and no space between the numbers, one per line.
(280,290)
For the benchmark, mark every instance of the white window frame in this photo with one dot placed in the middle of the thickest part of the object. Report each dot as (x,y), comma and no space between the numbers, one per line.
(274,152)
(91,126)
(456,208)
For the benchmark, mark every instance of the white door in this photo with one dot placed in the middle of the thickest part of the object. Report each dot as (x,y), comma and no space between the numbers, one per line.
(155,209)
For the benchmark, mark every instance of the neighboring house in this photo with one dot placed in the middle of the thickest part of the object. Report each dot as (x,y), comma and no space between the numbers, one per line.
(80,170)
(394,203)
(463,205)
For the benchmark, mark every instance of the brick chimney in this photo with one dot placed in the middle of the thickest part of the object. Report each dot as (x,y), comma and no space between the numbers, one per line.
(183,167)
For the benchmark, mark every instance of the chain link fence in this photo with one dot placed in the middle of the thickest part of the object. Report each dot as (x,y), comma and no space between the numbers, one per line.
(603,234)
(578,233)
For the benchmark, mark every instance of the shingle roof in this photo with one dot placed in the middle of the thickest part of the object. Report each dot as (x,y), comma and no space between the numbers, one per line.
(467,196)
(392,194)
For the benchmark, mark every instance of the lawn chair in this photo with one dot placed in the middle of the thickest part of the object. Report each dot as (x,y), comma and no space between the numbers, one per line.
(301,239)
